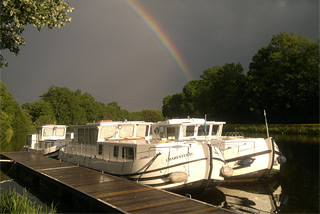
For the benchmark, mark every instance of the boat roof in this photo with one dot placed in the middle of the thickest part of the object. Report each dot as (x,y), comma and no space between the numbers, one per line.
(52,125)
(110,122)
(187,121)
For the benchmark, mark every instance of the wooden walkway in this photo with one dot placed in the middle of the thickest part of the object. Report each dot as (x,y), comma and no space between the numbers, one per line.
(93,191)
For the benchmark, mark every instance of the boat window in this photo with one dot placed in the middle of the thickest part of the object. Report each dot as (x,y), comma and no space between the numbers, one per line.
(201,131)
(100,149)
(162,132)
(48,132)
(87,136)
(127,153)
(188,131)
(156,132)
(173,132)
(142,131)
(81,136)
(215,129)
(93,135)
(126,131)
(60,132)
(108,132)
(115,151)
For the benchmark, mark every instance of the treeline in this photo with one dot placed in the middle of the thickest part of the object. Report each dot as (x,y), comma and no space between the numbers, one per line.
(58,105)
(283,79)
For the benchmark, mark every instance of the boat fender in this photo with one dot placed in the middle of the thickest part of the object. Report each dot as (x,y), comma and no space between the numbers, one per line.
(246,162)
(281,159)
(226,171)
(177,177)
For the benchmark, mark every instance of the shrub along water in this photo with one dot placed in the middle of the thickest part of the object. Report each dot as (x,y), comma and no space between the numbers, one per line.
(308,129)
(13,202)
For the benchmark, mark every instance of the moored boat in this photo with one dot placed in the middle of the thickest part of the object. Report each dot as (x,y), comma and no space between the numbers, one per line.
(248,159)
(48,139)
(126,149)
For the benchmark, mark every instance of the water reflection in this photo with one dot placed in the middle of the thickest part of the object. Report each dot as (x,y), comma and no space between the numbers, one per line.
(296,190)
(257,197)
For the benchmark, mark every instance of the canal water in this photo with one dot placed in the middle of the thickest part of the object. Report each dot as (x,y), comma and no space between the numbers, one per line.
(295,190)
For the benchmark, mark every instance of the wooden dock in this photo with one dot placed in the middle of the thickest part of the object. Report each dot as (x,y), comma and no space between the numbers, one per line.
(91,191)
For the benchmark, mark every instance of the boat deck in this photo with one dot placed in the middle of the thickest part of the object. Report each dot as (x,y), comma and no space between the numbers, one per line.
(94,191)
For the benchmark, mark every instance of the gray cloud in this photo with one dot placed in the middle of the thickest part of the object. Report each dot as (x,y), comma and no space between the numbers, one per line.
(110,53)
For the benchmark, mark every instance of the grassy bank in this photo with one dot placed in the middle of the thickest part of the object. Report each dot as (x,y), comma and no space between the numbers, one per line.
(13,202)
(307,129)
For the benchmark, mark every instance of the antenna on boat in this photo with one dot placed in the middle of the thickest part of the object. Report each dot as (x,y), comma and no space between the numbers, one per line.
(265,119)
(205,127)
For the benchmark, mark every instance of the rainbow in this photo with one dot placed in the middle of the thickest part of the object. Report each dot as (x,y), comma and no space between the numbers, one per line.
(161,35)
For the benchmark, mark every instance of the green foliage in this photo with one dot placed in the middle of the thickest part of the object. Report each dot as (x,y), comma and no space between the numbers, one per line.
(15,15)
(13,202)
(114,112)
(14,122)
(219,94)
(173,106)
(283,129)
(40,109)
(147,115)
(63,106)
(283,79)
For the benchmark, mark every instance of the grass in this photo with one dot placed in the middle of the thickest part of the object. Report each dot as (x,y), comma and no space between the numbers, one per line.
(13,202)
(307,129)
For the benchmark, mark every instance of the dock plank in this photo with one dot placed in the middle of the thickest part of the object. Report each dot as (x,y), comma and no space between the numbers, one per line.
(109,192)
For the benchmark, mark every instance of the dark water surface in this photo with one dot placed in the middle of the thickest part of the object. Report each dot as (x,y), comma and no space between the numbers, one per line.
(295,190)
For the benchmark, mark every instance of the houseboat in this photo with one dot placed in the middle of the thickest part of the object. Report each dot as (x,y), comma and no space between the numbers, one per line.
(48,139)
(126,149)
(247,159)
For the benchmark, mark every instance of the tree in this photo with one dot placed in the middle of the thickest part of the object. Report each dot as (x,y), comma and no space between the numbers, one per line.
(16,14)
(63,103)
(148,115)
(283,78)
(40,109)
(172,106)
(192,95)
(14,123)
(114,112)
(227,93)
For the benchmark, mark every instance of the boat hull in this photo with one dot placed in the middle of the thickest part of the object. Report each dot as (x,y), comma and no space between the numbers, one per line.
(171,168)
(252,159)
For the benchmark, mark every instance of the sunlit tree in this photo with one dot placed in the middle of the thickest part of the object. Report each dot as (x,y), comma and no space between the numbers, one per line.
(17,14)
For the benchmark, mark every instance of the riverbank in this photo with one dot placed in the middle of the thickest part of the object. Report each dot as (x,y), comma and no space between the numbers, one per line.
(307,129)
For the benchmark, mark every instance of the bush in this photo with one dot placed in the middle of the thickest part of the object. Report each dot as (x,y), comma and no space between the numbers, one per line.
(13,202)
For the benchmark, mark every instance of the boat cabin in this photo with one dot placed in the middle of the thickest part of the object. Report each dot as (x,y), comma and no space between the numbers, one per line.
(51,132)
(47,136)
(186,129)
(115,141)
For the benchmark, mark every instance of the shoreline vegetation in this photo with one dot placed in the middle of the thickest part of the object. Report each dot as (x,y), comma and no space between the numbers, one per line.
(297,129)
(14,202)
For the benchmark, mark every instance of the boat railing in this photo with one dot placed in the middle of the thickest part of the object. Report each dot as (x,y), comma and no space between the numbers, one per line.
(81,149)
(234,134)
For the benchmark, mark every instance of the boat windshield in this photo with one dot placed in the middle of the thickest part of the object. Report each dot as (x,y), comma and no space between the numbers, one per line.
(60,132)
(173,133)
(142,131)
(188,131)
(202,131)
(108,132)
(48,131)
(126,131)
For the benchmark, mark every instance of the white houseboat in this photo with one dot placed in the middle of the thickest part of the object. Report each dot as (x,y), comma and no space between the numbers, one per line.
(249,158)
(126,149)
(48,139)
